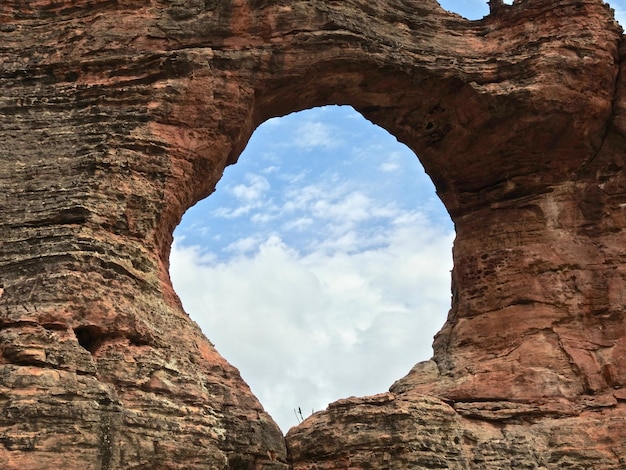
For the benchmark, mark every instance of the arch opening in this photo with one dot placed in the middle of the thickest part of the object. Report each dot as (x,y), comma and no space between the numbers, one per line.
(470,9)
(320,266)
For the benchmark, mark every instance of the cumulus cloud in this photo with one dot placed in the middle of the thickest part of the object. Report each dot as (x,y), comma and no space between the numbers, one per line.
(392,163)
(249,195)
(312,134)
(243,245)
(253,190)
(307,329)
(389,167)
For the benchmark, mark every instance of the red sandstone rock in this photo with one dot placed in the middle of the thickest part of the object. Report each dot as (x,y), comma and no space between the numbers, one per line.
(115,117)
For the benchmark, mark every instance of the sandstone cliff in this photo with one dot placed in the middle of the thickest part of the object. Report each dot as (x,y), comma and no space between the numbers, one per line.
(118,115)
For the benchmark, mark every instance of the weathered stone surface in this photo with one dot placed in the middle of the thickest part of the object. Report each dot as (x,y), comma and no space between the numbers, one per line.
(116,116)
(416,431)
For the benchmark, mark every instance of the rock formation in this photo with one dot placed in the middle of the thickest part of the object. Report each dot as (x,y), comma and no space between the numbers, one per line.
(118,115)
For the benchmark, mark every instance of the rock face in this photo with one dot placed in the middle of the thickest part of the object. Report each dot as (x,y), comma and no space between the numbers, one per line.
(116,116)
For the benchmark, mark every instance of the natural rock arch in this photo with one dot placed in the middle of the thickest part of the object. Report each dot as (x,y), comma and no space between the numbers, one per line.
(117,116)
(338,273)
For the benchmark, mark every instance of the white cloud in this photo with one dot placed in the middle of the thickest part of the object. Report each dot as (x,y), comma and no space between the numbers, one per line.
(249,196)
(312,134)
(256,186)
(393,161)
(244,245)
(307,329)
(266,214)
(339,217)
(292,179)
(300,223)
(389,167)
(228,213)
(335,200)
(300,198)
(271,169)
(353,207)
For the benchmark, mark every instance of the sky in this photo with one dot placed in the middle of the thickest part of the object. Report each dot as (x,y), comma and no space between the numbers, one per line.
(320,267)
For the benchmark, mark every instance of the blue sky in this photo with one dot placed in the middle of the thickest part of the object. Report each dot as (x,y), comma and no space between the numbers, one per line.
(320,267)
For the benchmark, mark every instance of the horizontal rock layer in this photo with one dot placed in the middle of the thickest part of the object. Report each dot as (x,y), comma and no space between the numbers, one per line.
(116,116)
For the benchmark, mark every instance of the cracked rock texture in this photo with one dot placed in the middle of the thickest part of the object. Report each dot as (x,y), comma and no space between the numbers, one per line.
(118,115)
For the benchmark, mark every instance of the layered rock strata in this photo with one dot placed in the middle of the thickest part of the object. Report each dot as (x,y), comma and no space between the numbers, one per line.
(116,116)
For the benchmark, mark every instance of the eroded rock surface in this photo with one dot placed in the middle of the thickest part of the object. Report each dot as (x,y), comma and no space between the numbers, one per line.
(116,116)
